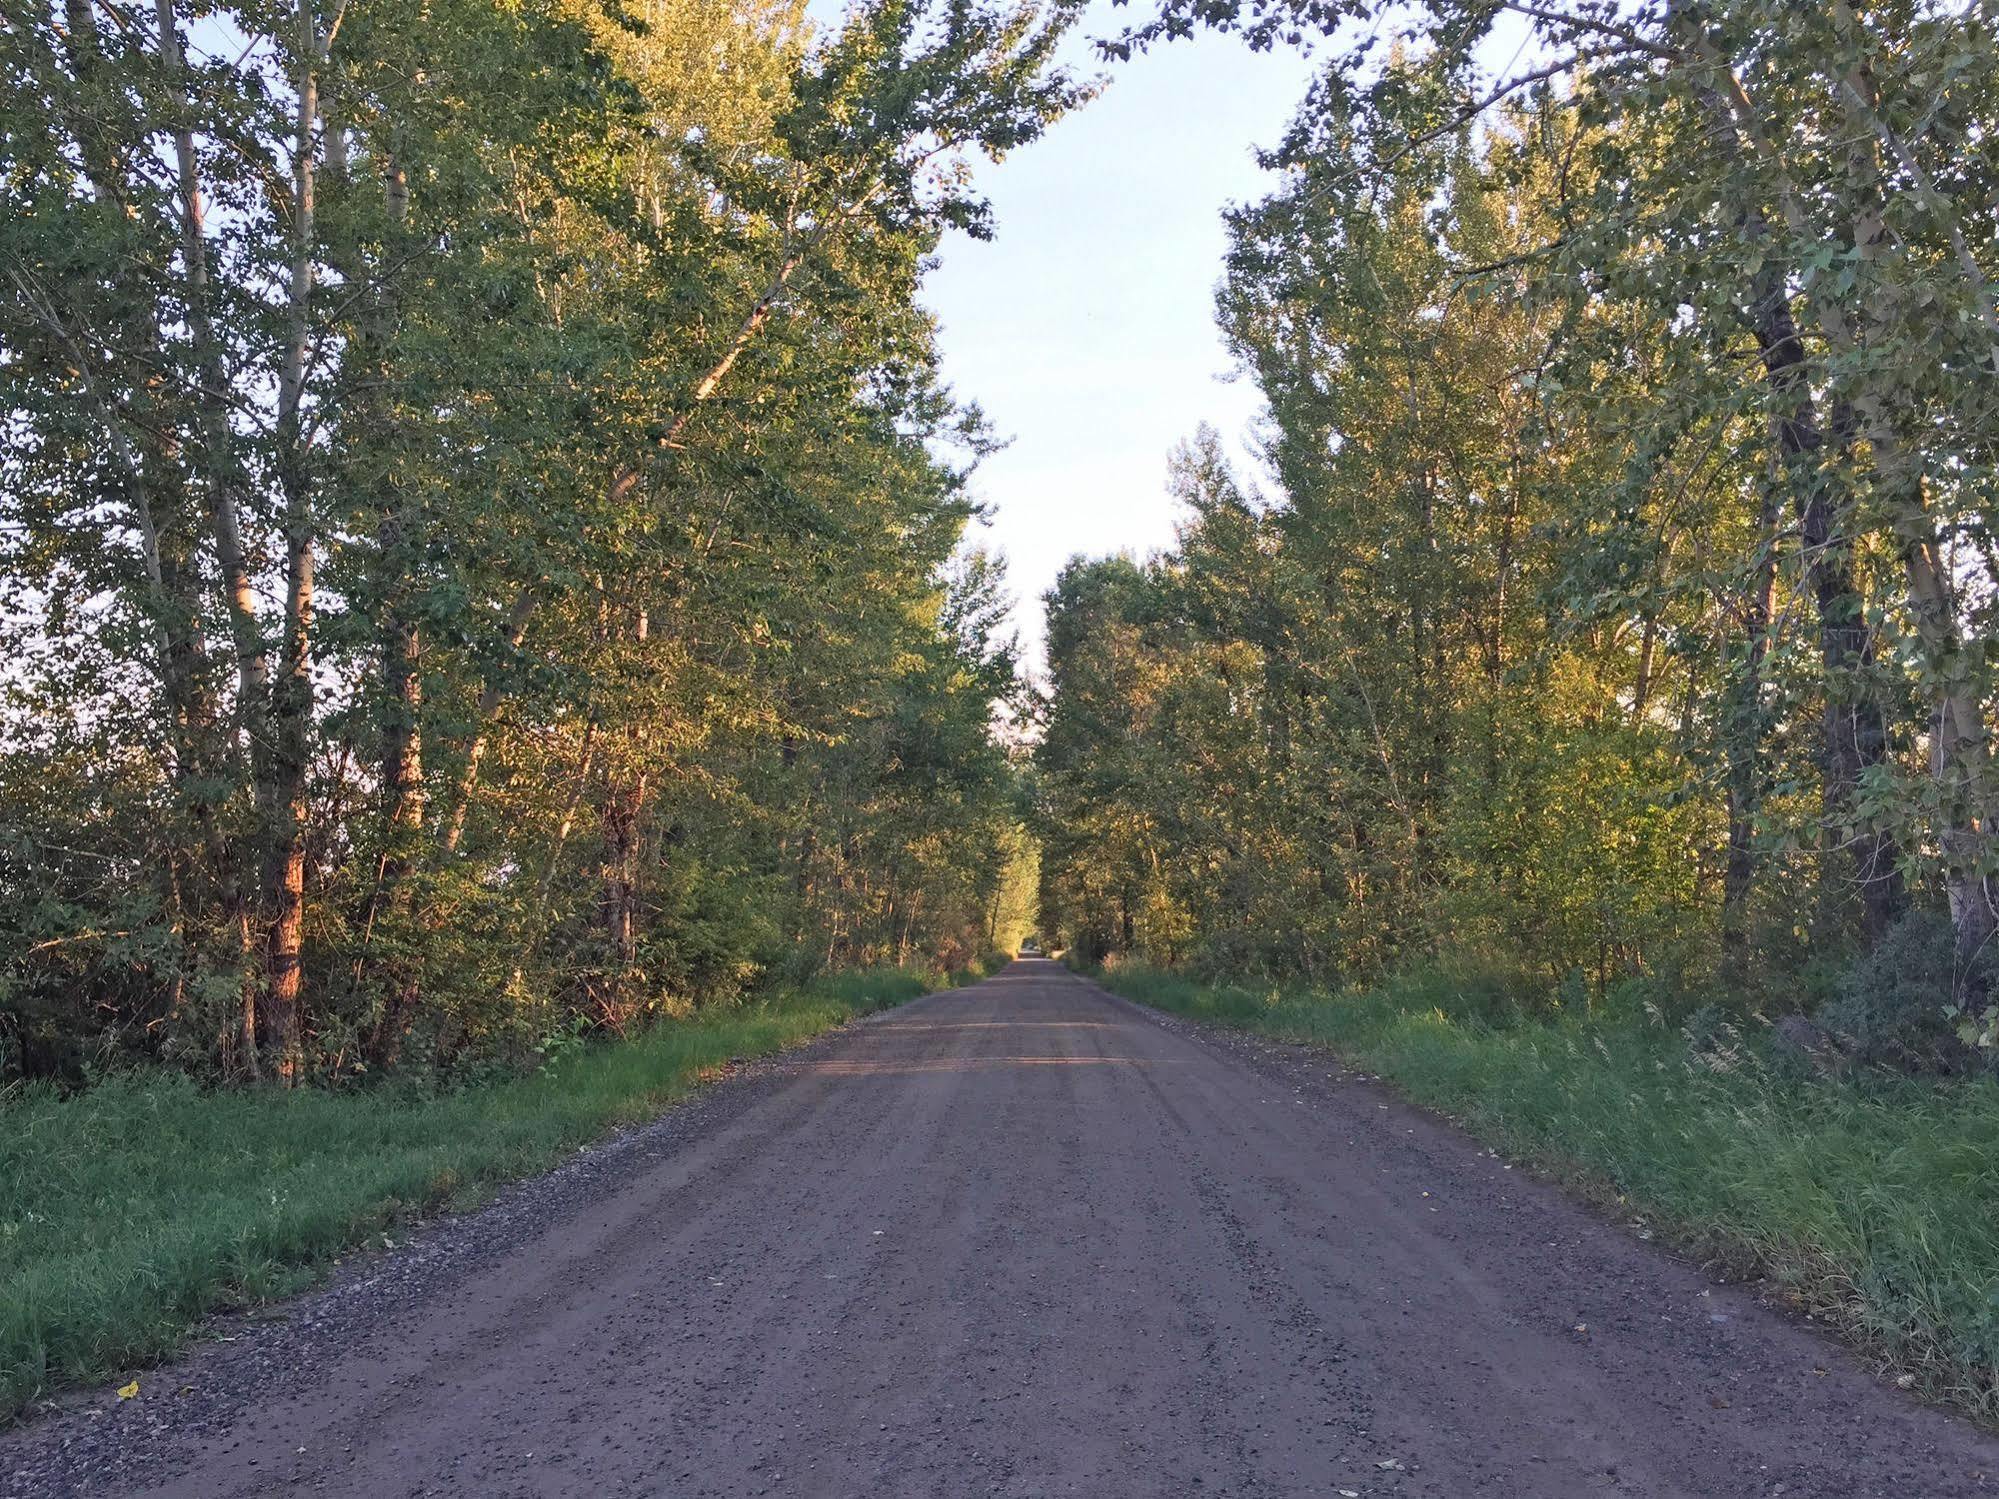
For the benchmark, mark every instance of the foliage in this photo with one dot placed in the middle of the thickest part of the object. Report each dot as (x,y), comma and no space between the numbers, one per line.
(1623,605)
(480,521)
(1894,1010)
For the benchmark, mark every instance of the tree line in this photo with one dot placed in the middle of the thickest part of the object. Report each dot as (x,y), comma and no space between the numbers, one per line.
(1618,610)
(480,520)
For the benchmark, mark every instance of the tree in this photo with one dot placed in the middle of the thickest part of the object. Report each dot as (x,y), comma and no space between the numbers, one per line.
(455,456)
(1765,330)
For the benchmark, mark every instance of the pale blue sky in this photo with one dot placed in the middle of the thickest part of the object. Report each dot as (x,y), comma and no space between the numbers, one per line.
(1086,327)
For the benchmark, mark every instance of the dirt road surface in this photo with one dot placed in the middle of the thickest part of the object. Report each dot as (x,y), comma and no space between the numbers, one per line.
(1022,1239)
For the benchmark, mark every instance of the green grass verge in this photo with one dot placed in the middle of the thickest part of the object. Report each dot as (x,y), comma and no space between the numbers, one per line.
(1872,1201)
(130,1211)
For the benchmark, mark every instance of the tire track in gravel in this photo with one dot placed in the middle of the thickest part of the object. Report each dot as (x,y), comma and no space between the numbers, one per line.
(1023,1239)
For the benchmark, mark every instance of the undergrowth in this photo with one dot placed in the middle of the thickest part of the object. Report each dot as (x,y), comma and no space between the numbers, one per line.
(1871,1200)
(130,1211)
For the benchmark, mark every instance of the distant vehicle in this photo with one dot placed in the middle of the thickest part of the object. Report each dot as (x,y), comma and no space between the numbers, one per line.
(1030,947)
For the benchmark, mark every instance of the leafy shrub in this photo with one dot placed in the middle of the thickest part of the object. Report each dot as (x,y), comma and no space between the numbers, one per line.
(1894,1008)
(1228,954)
(1573,997)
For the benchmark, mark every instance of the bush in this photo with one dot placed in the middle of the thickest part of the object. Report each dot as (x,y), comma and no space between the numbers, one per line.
(1894,1008)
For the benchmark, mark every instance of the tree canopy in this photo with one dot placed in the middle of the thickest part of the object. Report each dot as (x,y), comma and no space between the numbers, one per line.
(480,518)
(1622,609)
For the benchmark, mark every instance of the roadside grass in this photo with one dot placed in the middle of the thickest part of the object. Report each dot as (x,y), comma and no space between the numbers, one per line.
(1872,1201)
(130,1211)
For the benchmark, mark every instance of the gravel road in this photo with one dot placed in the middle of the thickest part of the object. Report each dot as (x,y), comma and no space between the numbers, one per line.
(1021,1239)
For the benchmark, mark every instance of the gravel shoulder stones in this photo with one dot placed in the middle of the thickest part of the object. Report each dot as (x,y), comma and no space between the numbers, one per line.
(1020,1239)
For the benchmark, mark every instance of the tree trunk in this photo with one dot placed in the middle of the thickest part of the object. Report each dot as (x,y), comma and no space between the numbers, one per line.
(211,398)
(620,815)
(1960,741)
(283,1020)
(402,735)
(150,454)
(223,483)
(490,694)
(1744,727)
(402,816)
(1854,737)
(1641,690)
(537,928)
(291,700)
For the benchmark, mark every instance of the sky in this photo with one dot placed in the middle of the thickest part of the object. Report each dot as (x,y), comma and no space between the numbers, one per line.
(1085,328)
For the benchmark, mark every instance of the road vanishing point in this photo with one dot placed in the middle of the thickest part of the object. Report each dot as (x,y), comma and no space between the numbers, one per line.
(1026,1239)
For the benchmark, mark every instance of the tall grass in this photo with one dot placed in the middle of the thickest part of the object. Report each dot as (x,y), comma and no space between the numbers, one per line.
(131,1210)
(1872,1200)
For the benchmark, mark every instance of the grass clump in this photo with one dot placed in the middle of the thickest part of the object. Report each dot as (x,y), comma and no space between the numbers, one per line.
(1872,1199)
(131,1210)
